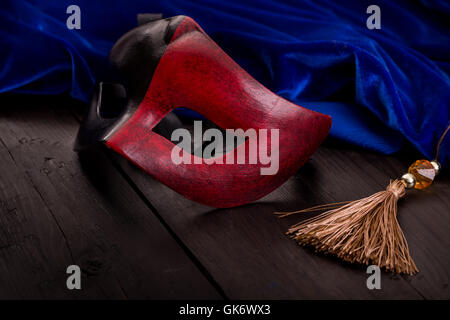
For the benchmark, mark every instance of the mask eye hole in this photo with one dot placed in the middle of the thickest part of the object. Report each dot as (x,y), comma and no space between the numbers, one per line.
(113,101)
(183,118)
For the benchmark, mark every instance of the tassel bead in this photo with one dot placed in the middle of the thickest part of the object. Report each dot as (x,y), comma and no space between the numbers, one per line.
(436,165)
(408,180)
(424,173)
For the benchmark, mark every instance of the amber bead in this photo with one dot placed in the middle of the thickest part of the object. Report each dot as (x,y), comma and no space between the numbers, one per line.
(424,173)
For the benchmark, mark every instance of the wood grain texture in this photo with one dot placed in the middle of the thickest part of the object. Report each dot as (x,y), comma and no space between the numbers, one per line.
(249,256)
(136,238)
(57,210)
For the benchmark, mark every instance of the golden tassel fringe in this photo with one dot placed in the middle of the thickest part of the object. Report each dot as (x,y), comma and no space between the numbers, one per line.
(364,231)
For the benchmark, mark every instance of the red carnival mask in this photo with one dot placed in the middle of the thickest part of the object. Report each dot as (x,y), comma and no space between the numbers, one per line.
(171,63)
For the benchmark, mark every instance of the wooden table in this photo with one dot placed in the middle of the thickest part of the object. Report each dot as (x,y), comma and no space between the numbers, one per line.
(135,238)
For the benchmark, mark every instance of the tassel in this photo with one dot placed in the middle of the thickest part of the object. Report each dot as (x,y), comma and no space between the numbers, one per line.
(364,231)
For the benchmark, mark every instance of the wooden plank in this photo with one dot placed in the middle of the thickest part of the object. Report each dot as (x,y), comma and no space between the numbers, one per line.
(57,210)
(246,251)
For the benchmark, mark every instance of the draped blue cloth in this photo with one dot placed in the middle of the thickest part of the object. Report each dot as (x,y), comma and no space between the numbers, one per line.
(382,87)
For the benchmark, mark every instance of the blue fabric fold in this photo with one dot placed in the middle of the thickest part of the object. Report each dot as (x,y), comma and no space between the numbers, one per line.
(381,87)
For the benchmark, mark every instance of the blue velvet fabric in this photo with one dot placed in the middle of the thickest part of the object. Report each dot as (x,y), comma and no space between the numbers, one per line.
(382,87)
